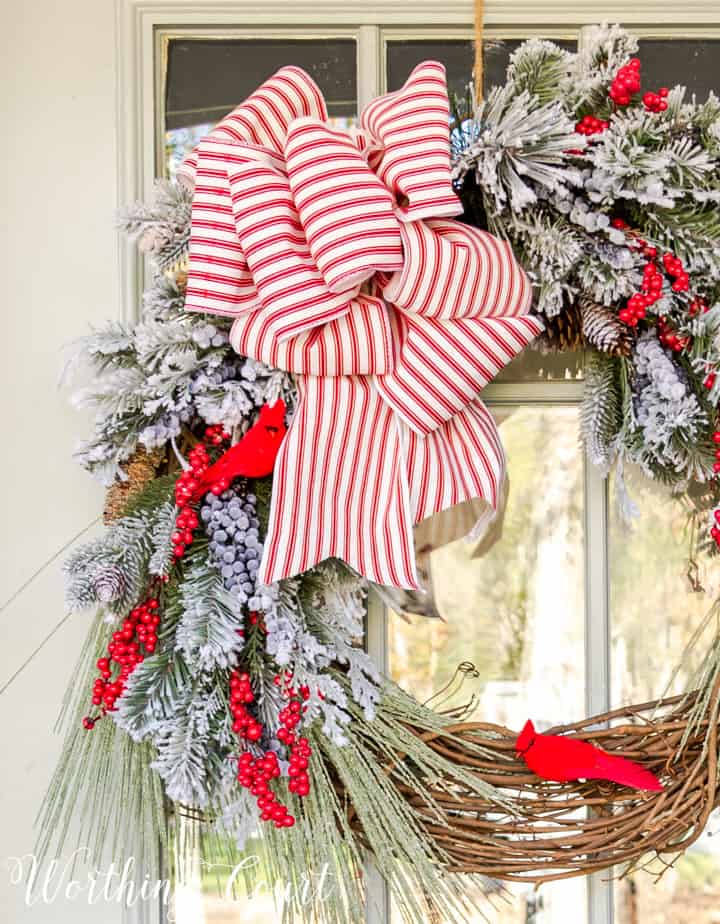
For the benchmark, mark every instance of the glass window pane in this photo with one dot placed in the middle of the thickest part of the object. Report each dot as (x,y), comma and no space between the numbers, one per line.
(514,608)
(458,56)
(689,62)
(501,608)
(654,608)
(215,887)
(654,612)
(207,78)
(689,892)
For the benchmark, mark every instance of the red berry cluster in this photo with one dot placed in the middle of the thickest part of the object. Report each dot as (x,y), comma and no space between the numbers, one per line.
(189,480)
(625,83)
(669,337)
(188,483)
(698,305)
(674,267)
(300,750)
(216,435)
(715,531)
(127,648)
(651,290)
(656,102)
(241,695)
(709,380)
(652,284)
(300,754)
(716,464)
(591,125)
(255,773)
(185,524)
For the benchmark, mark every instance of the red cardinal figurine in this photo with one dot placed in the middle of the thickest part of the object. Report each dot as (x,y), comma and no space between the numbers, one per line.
(254,456)
(554,757)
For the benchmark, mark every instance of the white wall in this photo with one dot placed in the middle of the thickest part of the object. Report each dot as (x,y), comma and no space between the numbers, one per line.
(58,265)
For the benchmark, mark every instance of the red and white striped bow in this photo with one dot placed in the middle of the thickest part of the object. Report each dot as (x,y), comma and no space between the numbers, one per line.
(335,253)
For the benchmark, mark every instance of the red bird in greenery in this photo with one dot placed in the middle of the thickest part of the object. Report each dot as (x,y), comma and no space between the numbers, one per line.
(254,455)
(554,757)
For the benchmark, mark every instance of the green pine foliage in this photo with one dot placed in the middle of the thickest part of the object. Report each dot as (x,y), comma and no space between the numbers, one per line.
(601,413)
(210,618)
(586,213)
(115,569)
(539,68)
(104,795)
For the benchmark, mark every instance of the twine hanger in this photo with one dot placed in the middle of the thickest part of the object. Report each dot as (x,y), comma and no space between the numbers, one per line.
(479,28)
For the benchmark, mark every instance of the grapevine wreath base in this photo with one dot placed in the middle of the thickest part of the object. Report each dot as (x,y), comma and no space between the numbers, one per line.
(558,830)
(232,685)
(544,831)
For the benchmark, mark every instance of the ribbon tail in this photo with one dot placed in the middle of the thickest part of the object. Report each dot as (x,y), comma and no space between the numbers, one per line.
(340,487)
(456,475)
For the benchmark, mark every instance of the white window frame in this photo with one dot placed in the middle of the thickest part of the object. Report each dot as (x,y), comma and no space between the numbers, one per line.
(144,28)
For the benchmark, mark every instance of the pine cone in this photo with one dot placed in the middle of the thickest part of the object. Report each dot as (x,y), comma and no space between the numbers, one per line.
(177,262)
(109,582)
(604,329)
(564,331)
(181,280)
(140,468)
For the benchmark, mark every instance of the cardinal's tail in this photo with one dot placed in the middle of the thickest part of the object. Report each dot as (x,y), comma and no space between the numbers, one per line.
(273,415)
(625,772)
(525,738)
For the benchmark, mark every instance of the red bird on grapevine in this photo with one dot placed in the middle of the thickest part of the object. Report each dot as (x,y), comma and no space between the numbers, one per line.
(555,757)
(254,456)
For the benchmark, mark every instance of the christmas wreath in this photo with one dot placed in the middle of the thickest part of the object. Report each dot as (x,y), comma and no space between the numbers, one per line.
(296,410)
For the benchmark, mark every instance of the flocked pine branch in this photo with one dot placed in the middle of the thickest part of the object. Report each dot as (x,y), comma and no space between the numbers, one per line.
(162,225)
(518,145)
(211,619)
(601,415)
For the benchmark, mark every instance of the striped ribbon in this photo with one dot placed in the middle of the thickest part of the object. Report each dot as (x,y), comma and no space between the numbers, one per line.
(336,254)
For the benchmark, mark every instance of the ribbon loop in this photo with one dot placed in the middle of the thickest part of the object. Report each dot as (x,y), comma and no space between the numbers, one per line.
(289,284)
(336,254)
(220,281)
(345,210)
(412,125)
(265,116)
(455,271)
(361,342)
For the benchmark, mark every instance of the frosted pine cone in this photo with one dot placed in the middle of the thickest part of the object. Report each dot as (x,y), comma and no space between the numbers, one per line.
(109,582)
(140,468)
(603,329)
